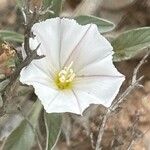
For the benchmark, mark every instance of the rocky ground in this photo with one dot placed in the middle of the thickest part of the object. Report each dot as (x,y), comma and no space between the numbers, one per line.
(131,122)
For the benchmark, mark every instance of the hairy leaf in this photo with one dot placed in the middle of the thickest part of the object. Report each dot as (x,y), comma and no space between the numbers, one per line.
(20,3)
(52,123)
(6,35)
(47,3)
(55,6)
(3,84)
(102,24)
(22,138)
(131,43)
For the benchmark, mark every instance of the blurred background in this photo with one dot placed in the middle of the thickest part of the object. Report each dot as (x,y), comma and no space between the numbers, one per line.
(132,120)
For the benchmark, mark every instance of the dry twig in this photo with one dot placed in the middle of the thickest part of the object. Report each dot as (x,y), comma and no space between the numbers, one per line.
(134,77)
(29,19)
(92,141)
(115,105)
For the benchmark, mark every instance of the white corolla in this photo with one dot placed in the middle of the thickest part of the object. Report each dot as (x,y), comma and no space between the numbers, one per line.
(77,69)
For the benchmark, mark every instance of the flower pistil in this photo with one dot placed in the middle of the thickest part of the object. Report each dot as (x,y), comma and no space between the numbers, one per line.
(65,77)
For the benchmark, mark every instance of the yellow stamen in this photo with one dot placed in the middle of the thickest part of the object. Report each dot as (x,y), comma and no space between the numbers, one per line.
(65,77)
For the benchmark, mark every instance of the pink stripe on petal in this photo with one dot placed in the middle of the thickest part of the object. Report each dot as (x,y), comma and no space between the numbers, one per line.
(74,50)
(90,76)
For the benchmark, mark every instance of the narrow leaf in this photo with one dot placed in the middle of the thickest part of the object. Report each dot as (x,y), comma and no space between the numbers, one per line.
(52,123)
(130,43)
(22,138)
(102,24)
(3,84)
(6,35)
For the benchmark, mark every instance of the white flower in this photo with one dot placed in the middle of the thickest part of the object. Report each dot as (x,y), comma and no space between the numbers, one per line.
(77,69)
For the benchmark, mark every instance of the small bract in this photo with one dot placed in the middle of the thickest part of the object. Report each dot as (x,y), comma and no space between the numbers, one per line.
(77,69)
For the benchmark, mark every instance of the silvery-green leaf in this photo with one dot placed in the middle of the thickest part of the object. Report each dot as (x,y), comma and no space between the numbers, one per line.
(55,6)
(6,35)
(23,137)
(20,3)
(53,125)
(130,43)
(3,84)
(47,3)
(102,24)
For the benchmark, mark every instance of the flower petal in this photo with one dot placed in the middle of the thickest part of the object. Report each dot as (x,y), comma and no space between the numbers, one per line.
(64,101)
(48,35)
(82,44)
(42,83)
(85,99)
(104,67)
(103,88)
(71,35)
(45,93)
(62,41)
(38,72)
(101,80)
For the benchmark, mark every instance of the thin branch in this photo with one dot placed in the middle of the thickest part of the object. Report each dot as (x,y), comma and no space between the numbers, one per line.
(26,62)
(111,108)
(27,33)
(139,66)
(92,140)
(120,100)
(24,15)
(47,10)
(125,93)
(102,129)
(29,20)
(130,145)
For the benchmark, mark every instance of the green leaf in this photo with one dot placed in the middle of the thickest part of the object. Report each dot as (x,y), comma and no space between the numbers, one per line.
(56,6)
(20,3)
(102,24)
(47,3)
(53,124)
(3,84)
(22,138)
(6,35)
(130,43)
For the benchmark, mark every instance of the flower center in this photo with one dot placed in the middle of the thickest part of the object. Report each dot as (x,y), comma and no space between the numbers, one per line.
(65,77)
